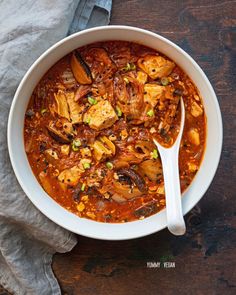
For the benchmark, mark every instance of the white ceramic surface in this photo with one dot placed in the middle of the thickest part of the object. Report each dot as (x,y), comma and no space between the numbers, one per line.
(22,168)
(170,168)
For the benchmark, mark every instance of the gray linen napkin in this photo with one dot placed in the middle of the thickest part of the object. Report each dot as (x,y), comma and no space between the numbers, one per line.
(27,238)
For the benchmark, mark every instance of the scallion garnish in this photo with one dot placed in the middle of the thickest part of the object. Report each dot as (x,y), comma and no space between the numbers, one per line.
(150,113)
(75,145)
(82,187)
(118,111)
(43,111)
(92,100)
(164,81)
(109,165)
(154,154)
(86,165)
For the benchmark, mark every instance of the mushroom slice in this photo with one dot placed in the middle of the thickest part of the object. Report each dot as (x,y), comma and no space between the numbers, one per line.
(146,209)
(80,69)
(102,67)
(58,135)
(68,79)
(82,91)
(136,178)
(118,198)
(122,192)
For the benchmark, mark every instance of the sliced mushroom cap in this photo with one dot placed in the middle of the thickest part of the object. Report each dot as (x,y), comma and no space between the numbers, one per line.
(100,63)
(136,178)
(146,209)
(80,69)
(57,134)
(123,192)
(82,91)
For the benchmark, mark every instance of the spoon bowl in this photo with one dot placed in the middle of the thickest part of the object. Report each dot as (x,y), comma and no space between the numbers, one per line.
(170,166)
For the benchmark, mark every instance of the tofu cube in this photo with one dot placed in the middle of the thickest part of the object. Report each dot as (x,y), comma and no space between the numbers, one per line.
(155,66)
(152,93)
(194,136)
(100,116)
(196,110)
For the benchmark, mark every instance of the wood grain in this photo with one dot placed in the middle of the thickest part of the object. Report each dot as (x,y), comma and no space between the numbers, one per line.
(205,257)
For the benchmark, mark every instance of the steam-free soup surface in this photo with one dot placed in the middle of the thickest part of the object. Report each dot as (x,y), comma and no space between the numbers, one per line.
(90,124)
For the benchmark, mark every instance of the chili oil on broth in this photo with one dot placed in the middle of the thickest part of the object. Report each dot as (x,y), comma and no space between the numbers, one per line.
(89,127)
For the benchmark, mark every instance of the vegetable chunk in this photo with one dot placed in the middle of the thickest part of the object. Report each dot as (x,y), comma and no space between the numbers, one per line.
(75,109)
(156,66)
(152,93)
(103,148)
(194,137)
(61,105)
(196,110)
(100,116)
(71,176)
(80,69)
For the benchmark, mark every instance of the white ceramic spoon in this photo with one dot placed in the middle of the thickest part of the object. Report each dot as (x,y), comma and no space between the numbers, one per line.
(170,166)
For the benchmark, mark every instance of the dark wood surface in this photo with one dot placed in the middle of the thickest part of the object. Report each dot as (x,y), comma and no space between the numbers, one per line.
(205,258)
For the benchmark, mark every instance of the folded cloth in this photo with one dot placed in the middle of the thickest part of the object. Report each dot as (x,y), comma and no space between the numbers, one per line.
(27,238)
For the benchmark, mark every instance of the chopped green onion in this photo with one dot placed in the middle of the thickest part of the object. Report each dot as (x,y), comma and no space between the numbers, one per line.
(132,66)
(109,165)
(118,111)
(154,154)
(164,81)
(126,80)
(82,187)
(150,113)
(134,167)
(74,148)
(86,165)
(126,68)
(43,111)
(77,142)
(75,145)
(129,66)
(87,120)
(92,100)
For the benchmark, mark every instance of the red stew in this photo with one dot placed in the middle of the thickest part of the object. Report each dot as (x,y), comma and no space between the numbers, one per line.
(90,124)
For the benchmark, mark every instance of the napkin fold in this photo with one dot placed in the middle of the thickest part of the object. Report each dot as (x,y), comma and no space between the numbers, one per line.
(28,239)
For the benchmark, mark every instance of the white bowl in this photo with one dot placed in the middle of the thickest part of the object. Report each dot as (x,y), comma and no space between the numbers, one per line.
(30,185)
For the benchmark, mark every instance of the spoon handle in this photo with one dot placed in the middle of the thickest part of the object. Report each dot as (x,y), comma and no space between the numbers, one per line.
(170,166)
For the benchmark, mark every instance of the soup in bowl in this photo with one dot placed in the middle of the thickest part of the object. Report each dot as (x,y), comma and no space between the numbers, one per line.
(88,110)
(90,124)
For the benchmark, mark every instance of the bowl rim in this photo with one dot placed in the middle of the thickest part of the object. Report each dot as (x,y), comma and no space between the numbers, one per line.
(113,226)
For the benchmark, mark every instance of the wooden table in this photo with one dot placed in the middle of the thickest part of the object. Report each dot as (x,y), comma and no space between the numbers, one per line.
(205,257)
